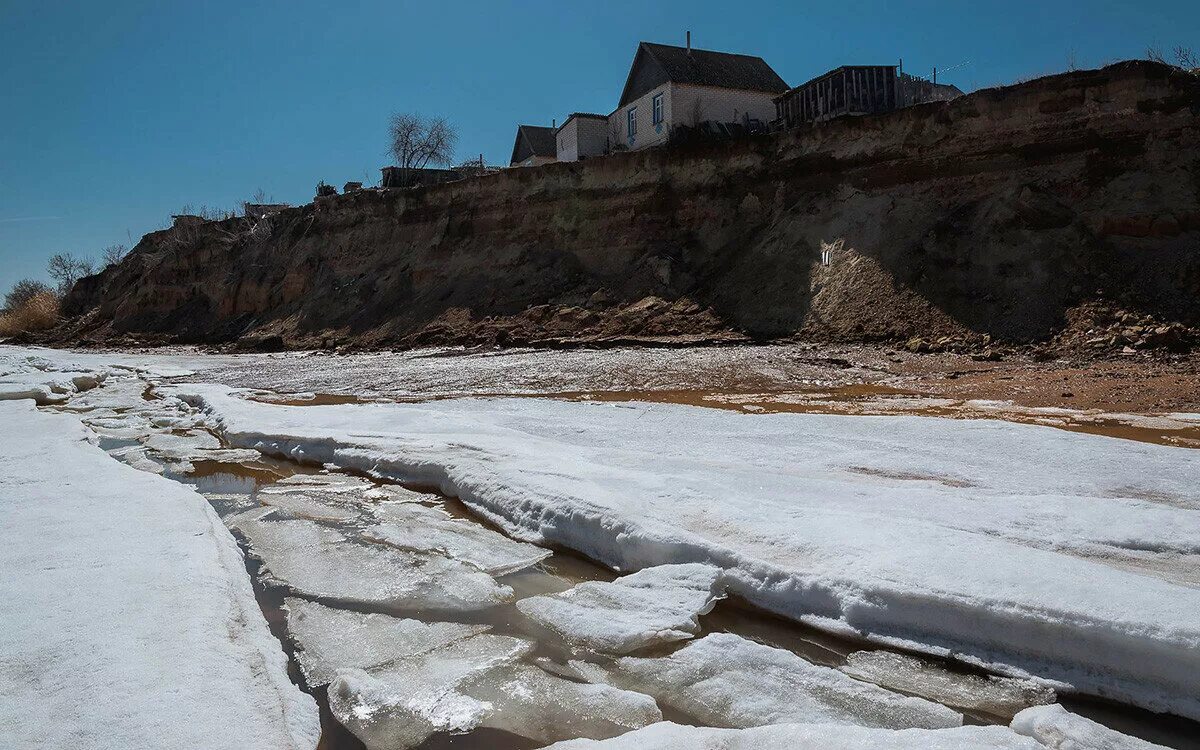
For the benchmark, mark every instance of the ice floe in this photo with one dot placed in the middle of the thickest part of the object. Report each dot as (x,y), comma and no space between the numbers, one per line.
(479,682)
(1000,696)
(668,736)
(332,639)
(726,680)
(317,561)
(1057,728)
(949,536)
(411,526)
(652,606)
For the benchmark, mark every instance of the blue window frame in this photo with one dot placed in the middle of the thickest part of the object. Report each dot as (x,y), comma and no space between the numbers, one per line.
(631,123)
(657,104)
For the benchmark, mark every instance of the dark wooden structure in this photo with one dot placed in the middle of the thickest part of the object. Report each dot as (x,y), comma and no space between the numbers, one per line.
(848,90)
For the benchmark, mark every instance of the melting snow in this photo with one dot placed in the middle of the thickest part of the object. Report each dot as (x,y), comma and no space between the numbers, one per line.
(652,606)
(726,680)
(318,561)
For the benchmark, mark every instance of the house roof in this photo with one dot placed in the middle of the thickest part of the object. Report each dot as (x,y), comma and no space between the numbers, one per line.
(701,67)
(533,140)
(837,70)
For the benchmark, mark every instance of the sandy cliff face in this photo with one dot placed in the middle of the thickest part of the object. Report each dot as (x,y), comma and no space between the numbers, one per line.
(995,213)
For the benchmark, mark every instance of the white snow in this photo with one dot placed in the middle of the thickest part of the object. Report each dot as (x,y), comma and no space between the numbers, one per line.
(668,736)
(653,606)
(128,619)
(318,561)
(411,526)
(949,536)
(1056,728)
(1000,696)
(726,680)
(333,639)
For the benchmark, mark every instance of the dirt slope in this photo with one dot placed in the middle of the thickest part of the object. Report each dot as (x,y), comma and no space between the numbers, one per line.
(996,213)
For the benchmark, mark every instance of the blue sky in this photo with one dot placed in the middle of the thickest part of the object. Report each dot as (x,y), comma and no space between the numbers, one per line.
(117,113)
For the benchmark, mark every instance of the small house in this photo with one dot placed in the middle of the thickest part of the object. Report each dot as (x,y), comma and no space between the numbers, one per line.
(535,145)
(848,90)
(668,87)
(581,136)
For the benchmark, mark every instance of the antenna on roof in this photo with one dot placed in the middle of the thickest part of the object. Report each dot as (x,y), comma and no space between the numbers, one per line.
(689,42)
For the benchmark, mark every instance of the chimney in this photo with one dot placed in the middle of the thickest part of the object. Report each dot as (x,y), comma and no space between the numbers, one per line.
(554,123)
(689,42)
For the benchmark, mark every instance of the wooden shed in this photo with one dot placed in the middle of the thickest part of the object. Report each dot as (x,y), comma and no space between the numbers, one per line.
(848,90)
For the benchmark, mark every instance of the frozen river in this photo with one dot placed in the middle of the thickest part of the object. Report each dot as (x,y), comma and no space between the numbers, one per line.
(440,558)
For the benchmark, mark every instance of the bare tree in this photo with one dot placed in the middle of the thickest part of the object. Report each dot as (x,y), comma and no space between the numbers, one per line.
(66,269)
(113,254)
(1185,57)
(23,291)
(416,142)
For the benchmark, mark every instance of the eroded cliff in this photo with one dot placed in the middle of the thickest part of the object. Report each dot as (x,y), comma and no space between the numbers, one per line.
(995,213)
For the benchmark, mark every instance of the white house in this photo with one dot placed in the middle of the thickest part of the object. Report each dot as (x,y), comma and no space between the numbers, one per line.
(582,135)
(672,86)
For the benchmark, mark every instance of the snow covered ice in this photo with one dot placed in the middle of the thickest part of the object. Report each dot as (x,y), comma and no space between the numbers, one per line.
(479,682)
(318,561)
(417,527)
(726,680)
(967,537)
(1059,729)
(127,615)
(668,736)
(335,639)
(1057,559)
(1000,696)
(652,606)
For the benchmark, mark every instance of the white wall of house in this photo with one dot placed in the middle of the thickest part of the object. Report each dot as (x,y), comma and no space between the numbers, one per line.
(684,104)
(722,105)
(582,137)
(648,133)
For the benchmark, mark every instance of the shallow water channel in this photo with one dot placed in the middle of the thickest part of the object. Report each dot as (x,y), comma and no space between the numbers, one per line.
(237,487)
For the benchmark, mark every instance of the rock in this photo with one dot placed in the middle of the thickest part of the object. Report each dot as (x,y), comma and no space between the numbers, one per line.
(917,345)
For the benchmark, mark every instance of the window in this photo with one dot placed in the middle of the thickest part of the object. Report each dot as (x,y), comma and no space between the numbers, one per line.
(631,123)
(658,109)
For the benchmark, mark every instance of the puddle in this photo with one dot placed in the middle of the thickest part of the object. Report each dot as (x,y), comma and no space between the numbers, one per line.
(878,400)
(307,399)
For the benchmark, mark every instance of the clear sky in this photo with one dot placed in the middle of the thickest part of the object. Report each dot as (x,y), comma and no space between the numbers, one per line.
(115,114)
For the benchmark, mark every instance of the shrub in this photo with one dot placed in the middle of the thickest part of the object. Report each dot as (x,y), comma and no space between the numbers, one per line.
(37,313)
(22,292)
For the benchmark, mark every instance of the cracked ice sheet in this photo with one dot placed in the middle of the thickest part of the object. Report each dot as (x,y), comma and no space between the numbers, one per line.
(127,616)
(417,527)
(333,639)
(668,736)
(317,561)
(1056,728)
(950,536)
(1000,696)
(479,682)
(653,606)
(726,680)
